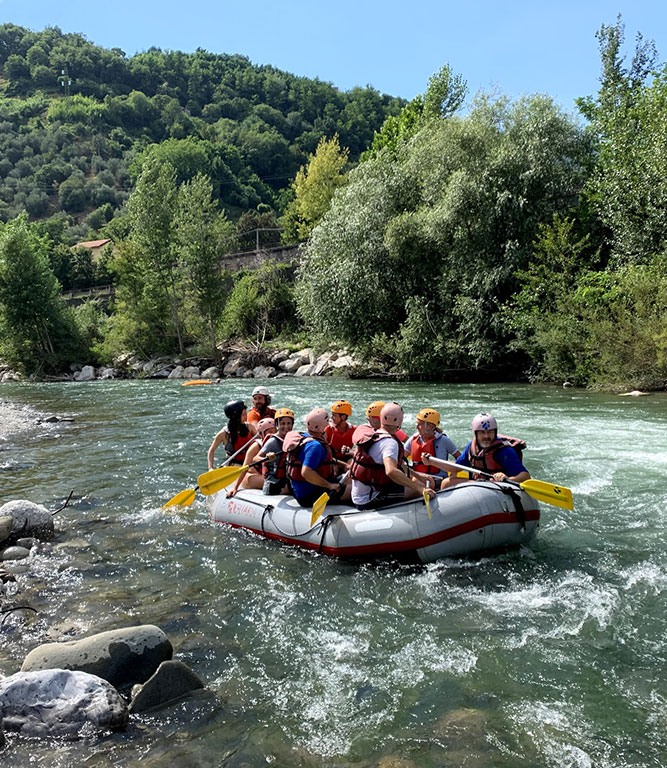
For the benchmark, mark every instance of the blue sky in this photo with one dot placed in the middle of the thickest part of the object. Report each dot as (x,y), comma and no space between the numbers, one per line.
(513,47)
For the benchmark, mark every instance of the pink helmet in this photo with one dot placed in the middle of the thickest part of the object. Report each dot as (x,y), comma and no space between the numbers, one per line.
(316,421)
(484,421)
(391,415)
(263,425)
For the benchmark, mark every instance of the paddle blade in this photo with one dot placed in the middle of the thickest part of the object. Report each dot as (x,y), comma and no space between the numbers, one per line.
(557,495)
(318,507)
(217,479)
(427,501)
(182,499)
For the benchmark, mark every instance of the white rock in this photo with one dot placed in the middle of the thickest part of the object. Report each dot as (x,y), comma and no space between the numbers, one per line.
(347,361)
(59,702)
(177,373)
(87,373)
(107,373)
(305,370)
(29,519)
(290,365)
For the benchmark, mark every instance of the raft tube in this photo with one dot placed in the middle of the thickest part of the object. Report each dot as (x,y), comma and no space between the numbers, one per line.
(469,518)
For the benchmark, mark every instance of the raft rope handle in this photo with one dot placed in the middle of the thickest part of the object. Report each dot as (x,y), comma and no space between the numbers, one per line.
(322,522)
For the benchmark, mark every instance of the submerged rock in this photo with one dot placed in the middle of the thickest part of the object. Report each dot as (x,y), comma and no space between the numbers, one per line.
(172,681)
(14,553)
(59,702)
(121,656)
(29,519)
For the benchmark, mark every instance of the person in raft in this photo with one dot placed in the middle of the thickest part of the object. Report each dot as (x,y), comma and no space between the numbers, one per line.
(311,467)
(274,469)
(252,478)
(373,418)
(488,452)
(429,438)
(380,475)
(339,431)
(261,402)
(235,435)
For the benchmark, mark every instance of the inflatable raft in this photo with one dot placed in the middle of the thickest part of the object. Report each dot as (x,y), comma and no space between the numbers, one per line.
(468,518)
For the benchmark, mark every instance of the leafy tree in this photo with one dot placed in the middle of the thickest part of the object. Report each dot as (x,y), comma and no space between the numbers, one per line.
(37,331)
(314,187)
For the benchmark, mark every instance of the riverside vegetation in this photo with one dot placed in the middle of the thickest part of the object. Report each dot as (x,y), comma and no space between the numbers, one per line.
(509,241)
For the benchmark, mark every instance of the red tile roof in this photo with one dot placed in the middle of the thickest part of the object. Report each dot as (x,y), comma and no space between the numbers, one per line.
(92,243)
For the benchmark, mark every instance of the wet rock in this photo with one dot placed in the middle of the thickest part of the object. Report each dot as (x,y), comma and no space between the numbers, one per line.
(59,702)
(264,372)
(567,384)
(211,373)
(233,364)
(460,725)
(177,373)
(393,761)
(305,370)
(6,576)
(121,656)
(15,567)
(14,553)
(247,373)
(278,357)
(161,373)
(87,373)
(191,372)
(27,542)
(29,519)
(172,681)
(6,525)
(291,365)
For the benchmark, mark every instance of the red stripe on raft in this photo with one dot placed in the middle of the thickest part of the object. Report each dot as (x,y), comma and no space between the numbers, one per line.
(500,518)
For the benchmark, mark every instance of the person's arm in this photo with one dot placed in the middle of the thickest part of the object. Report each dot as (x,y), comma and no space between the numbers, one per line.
(220,438)
(250,455)
(400,478)
(314,455)
(512,467)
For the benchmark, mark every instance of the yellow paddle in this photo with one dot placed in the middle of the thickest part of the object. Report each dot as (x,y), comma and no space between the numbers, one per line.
(318,508)
(557,495)
(182,499)
(427,501)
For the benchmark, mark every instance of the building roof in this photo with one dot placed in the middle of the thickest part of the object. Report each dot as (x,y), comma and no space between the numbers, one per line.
(92,243)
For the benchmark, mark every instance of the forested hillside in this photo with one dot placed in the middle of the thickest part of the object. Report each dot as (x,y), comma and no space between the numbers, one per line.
(77,121)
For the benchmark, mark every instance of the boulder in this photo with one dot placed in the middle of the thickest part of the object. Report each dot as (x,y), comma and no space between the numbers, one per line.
(121,656)
(177,373)
(211,373)
(233,364)
(278,357)
(323,365)
(191,372)
(87,373)
(305,370)
(264,372)
(161,373)
(28,542)
(59,702)
(247,373)
(6,525)
(108,373)
(172,681)
(291,365)
(345,361)
(29,519)
(14,553)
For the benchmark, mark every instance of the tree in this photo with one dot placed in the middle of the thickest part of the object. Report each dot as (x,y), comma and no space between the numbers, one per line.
(37,330)
(314,187)
(202,235)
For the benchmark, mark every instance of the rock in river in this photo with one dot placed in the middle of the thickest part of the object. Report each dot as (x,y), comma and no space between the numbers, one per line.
(121,656)
(172,681)
(59,702)
(29,519)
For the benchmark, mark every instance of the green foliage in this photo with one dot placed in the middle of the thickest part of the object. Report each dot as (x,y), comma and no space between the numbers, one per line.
(261,304)
(37,331)
(424,247)
(314,187)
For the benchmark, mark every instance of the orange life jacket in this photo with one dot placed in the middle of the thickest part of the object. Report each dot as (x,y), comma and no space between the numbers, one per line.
(338,440)
(416,451)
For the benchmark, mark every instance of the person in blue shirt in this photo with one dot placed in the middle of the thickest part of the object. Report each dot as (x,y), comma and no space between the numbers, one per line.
(487,453)
(311,466)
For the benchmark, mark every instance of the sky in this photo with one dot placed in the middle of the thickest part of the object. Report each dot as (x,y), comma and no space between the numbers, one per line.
(514,47)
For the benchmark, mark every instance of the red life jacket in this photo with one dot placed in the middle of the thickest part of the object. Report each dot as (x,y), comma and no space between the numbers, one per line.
(338,439)
(363,468)
(231,448)
(485,460)
(292,448)
(276,468)
(416,451)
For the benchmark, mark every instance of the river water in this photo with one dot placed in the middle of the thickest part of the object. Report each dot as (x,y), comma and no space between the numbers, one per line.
(554,655)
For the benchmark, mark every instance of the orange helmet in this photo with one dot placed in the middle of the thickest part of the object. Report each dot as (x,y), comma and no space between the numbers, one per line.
(282,412)
(375,408)
(430,415)
(342,406)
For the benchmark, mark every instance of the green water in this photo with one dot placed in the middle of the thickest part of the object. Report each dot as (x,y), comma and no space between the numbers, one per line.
(549,656)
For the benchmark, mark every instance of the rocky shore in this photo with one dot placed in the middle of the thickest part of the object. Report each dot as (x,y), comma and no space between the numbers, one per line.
(242,363)
(94,683)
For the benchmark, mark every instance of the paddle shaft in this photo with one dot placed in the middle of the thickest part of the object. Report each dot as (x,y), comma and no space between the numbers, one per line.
(244,447)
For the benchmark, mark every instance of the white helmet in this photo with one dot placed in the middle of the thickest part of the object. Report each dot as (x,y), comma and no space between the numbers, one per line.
(261,391)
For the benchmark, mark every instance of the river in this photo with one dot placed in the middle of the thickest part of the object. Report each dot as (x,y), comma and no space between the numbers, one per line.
(553,655)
